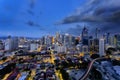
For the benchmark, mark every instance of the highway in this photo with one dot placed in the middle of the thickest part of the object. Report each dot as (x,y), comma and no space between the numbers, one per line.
(13,75)
(85,75)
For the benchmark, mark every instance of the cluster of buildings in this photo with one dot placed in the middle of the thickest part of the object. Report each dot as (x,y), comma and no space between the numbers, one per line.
(64,43)
(65,52)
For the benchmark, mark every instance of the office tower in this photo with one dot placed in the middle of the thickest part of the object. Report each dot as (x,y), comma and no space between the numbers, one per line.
(91,43)
(57,37)
(53,40)
(111,40)
(62,38)
(85,36)
(66,40)
(118,40)
(11,43)
(48,40)
(102,47)
(43,40)
(107,38)
(115,40)
(1,45)
(34,46)
(96,45)
(8,44)
(60,49)
(97,33)
(15,43)
(71,40)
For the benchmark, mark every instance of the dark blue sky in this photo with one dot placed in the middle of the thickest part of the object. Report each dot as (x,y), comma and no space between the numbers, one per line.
(35,18)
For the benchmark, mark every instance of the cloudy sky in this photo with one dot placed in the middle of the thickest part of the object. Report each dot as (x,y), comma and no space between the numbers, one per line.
(36,18)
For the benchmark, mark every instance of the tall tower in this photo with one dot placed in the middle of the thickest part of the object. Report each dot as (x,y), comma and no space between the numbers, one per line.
(97,33)
(102,47)
(107,38)
(84,33)
(66,39)
(85,36)
(58,37)
(9,43)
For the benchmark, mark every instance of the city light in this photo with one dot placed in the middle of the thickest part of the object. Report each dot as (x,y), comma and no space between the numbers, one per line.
(59,39)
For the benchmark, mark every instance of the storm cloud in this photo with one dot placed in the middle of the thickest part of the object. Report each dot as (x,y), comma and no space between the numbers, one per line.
(97,13)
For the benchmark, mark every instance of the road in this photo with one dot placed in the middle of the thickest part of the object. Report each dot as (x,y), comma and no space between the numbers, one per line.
(12,75)
(89,68)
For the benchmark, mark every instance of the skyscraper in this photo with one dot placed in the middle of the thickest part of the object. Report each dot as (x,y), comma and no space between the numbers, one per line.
(8,44)
(1,45)
(57,37)
(34,46)
(15,43)
(102,47)
(66,40)
(107,38)
(97,33)
(85,36)
(11,43)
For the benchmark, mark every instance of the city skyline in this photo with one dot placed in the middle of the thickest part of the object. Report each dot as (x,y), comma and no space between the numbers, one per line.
(59,40)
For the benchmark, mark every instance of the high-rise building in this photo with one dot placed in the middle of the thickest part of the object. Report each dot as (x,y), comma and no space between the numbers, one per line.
(62,38)
(34,46)
(11,43)
(107,38)
(48,40)
(15,43)
(43,40)
(96,45)
(66,40)
(85,36)
(57,37)
(115,40)
(118,40)
(97,33)
(1,45)
(60,49)
(71,40)
(102,47)
(111,40)
(8,44)
(91,43)
(53,40)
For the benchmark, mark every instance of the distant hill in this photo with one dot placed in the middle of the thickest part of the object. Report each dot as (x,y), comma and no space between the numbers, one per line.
(5,37)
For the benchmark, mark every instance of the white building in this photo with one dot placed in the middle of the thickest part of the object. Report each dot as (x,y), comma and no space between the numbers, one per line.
(11,44)
(60,49)
(8,44)
(101,47)
(1,45)
(34,46)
